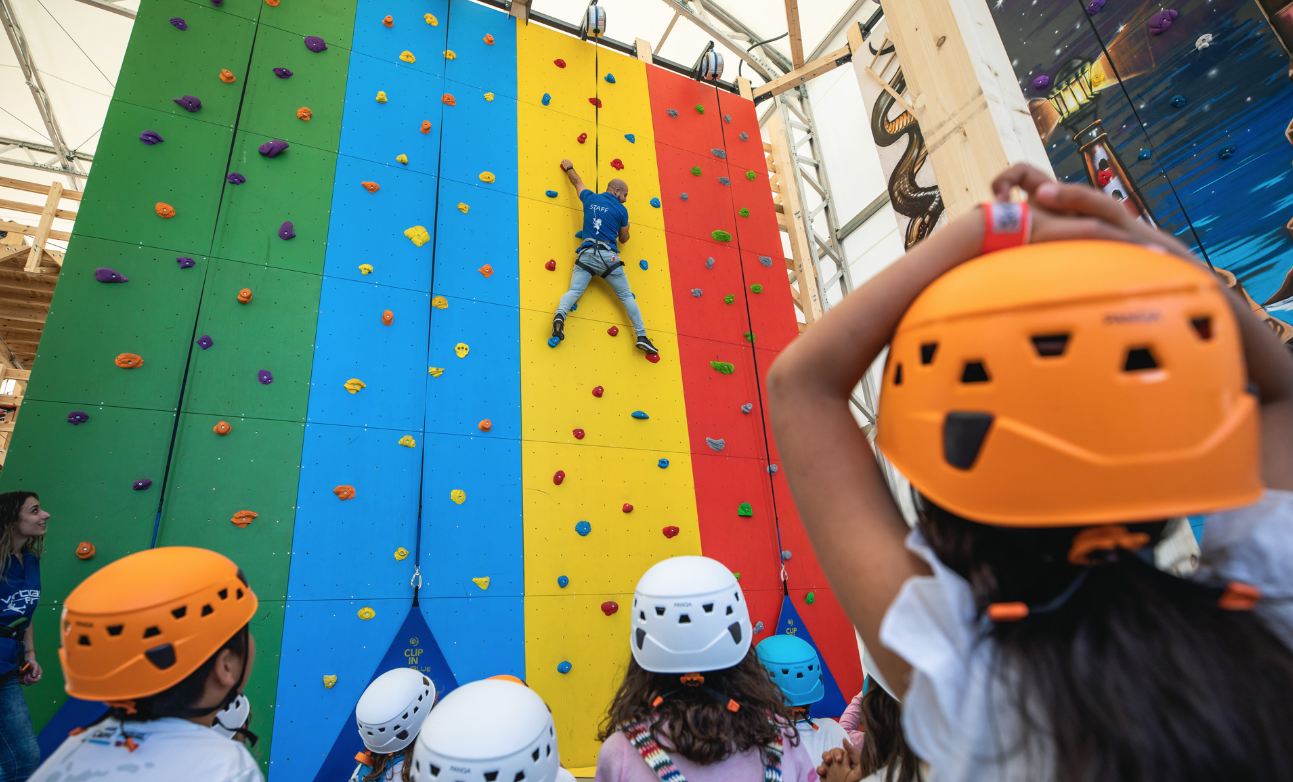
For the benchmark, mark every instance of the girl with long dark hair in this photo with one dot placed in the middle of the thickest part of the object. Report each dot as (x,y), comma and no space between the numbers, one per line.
(22,534)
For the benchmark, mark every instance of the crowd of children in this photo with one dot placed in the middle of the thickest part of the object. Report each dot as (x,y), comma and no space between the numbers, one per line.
(1061,381)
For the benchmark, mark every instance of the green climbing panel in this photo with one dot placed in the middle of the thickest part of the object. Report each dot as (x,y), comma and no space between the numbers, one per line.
(91,323)
(331,20)
(318,83)
(274,332)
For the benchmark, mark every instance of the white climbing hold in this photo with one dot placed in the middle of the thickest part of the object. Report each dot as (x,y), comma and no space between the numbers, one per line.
(1203,42)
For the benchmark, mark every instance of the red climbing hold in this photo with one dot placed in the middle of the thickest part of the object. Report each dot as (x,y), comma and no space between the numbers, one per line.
(627,508)
(579,434)
(1104,177)
(654,358)
(617,164)
(559,63)
(614,331)
(582,137)
(669,532)
(550,265)
(596,102)
(610,607)
(598,391)
(559,477)
(388,317)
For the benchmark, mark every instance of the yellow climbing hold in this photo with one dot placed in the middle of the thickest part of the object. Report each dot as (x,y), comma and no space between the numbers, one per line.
(365,268)
(431,20)
(418,234)
(440,302)
(407,56)
(367,613)
(408,442)
(449,55)
(463,208)
(436,371)
(483,583)
(403,159)
(401,553)
(458,495)
(381,96)
(489,96)
(486,176)
(329,679)
(461,349)
(354,384)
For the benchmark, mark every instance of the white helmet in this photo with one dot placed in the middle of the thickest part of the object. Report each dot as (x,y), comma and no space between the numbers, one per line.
(871,669)
(230,720)
(689,615)
(391,711)
(490,729)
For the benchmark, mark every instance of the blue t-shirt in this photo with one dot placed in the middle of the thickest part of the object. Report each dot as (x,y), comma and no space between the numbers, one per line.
(19,594)
(604,216)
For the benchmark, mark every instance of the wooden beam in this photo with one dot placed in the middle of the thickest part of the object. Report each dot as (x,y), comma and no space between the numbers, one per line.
(29,286)
(7,357)
(520,9)
(27,230)
(24,315)
(796,40)
(642,48)
(743,86)
(33,209)
(32,187)
(42,229)
(812,70)
(800,249)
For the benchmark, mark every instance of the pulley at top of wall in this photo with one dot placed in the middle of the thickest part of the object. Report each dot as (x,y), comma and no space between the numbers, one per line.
(709,65)
(594,23)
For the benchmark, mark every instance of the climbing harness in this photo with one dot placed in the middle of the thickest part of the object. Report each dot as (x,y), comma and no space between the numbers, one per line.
(597,247)
(639,735)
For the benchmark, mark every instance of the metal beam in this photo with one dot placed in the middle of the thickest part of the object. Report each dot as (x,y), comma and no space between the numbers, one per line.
(859,219)
(109,7)
(7,144)
(778,59)
(713,30)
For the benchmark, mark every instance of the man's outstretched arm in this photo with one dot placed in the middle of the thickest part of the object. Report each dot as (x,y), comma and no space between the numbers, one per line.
(569,168)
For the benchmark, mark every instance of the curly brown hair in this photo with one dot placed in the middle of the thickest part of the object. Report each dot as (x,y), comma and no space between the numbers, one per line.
(696,721)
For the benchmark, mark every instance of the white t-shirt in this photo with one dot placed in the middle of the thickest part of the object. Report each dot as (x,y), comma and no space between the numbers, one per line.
(564,776)
(165,750)
(829,735)
(960,719)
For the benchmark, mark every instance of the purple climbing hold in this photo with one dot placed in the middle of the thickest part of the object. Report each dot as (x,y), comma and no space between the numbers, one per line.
(104,274)
(189,103)
(142,483)
(1159,22)
(235,178)
(150,137)
(265,377)
(186,263)
(314,43)
(282,73)
(205,341)
(1093,7)
(217,3)
(1042,82)
(285,231)
(272,148)
(76,418)
(178,23)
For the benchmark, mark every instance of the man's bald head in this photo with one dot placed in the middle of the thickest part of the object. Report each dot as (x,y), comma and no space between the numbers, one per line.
(618,188)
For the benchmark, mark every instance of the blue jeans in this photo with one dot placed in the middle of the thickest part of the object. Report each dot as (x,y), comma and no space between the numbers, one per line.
(618,280)
(19,753)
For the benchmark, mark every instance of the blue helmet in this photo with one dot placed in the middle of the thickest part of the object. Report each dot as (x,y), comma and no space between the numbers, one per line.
(795,667)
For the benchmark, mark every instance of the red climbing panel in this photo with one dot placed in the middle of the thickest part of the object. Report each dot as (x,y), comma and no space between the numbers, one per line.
(747,154)
(706,315)
(772,312)
(709,202)
(714,399)
(746,544)
(691,129)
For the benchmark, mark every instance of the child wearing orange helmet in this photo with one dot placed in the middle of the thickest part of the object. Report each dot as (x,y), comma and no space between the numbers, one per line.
(1054,403)
(160,636)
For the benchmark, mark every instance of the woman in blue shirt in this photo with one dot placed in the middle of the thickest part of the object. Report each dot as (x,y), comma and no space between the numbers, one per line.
(22,533)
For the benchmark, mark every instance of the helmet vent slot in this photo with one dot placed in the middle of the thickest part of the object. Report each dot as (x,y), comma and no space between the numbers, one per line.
(785,671)
(709,608)
(1048,345)
(735,629)
(683,619)
(435,770)
(115,629)
(519,776)
(642,615)
(152,631)
(974,372)
(1202,326)
(490,776)
(927,352)
(799,675)
(534,756)
(84,640)
(207,610)
(897,374)
(729,611)
(180,612)
(963,435)
(238,595)
(161,656)
(402,735)
(1139,359)
(659,610)
(224,594)
(641,636)
(547,750)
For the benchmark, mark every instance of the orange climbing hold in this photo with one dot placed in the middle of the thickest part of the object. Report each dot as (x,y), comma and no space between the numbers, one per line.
(244,295)
(485,425)
(227,76)
(486,270)
(272,3)
(130,361)
(371,187)
(344,492)
(389,21)
(223,428)
(426,126)
(304,114)
(164,209)
(85,550)
(448,100)
(388,317)
(244,517)
(489,39)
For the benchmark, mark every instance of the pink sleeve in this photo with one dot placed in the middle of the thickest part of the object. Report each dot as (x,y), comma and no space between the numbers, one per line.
(610,759)
(850,720)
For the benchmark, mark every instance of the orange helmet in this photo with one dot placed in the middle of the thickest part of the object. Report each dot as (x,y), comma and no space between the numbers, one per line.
(142,624)
(1071,383)
(509,678)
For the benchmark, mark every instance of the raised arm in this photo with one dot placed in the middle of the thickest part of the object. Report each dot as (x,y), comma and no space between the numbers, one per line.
(569,168)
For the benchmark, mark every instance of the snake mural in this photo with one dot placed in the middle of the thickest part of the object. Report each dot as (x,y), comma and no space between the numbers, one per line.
(922,205)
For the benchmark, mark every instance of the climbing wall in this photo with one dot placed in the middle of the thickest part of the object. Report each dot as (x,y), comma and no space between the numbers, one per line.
(331,362)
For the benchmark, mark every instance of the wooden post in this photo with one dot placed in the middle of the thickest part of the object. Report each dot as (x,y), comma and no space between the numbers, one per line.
(42,230)
(796,40)
(964,95)
(743,85)
(642,48)
(520,9)
(800,249)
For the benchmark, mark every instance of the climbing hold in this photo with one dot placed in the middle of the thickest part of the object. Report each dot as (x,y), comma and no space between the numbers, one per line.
(683,196)
(627,508)
(563,667)
(723,367)
(142,483)
(205,341)
(1144,154)
(654,358)
(596,102)
(551,265)
(583,528)
(485,425)
(744,509)
(1159,22)
(285,231)
(448,100)
(614,331)
(551,194)
(638,414)
(104,274)
(482,582)
(750,175)
(559,477)
(717,445)
(314,43)
(546,99)
(610,607)
(401,553)
(655,202)
(1093,7)
(402,159)
(85,550)
(582,138)
(418,235)
(1226,152)
(729,298)
(223,428)
(435,371)
(235,178)
(559,63)
(630,138)
(562,581)
(150,137)
(643,265)
(662,464)
(431,20)
(766,261)
(709,263)
(724,181)
(329,679)
(554,341)
(244,295)
(440,302)
(579,434)
(426,126)
(695,170)
(365,268)
(489,39)
(727,118)
(243,517)
(598,391)
(458,496)
(265,377)
(718,153)
(227,76)
(756,288)
(772,469)
(366,613)
(1178,101)
(696,292)
(448,55)
(1041,82)
(700,109)
(670,532)
(671,113)
(810,598)
(381,96)
(1203,42)
(743,212)
(721,236)
(179,24)
(407,56)
(749,337)
(744,136)
(272,3)
(186,263)
(76,418)
(461,349)
(371,187)
(1103,178)
(129,361)
(188,103)
(617,164)
(610,78)
(164,210)
(283,73)
(579,235)
(746,408)
(463,208)
(785,555)
(389,21)
(486,177)
(758,627)
(344,492)
(273,148)
(387,317)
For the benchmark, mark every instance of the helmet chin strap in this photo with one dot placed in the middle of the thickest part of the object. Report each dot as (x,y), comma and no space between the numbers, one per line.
(694,681)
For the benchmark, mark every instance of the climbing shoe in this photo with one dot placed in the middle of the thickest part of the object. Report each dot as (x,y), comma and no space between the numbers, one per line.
(645,344)
(559,327)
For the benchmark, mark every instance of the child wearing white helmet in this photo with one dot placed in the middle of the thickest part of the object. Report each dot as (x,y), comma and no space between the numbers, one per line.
(696,705)
(796,668)
(390,713)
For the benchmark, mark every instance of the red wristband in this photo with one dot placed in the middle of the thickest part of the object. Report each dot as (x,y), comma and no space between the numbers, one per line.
(1005,225)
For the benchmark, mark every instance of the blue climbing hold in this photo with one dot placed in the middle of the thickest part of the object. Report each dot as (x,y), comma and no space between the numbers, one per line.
(574,306)
(640,415)
(551,194)
(583,528)
(563,667)
(663,463)
(696,292)
(579,234)
(630,137)
(1178,101)
(1145,154)
(655,202)
(562,581)
(1226,152)
(610,77)
(643,264)
(554,341)
(546,99)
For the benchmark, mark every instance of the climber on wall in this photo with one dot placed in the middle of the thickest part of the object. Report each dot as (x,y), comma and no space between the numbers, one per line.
(606,223)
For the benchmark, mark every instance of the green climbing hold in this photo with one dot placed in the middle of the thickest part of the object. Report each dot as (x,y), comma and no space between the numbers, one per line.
(749,175)
(723,367)
(695,170)
(721,236)
(749,337)
(700,109)
(745,510)
(729,298)
(738,576)
(756,288)
(810,598)
(743,212)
